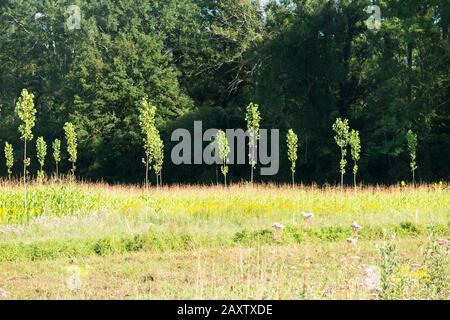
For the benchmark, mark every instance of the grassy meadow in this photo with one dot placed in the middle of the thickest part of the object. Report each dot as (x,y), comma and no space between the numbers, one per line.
(95,241)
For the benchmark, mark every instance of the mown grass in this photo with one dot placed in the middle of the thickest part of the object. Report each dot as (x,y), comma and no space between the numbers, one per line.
(320,271)
(161,241)
(96,221)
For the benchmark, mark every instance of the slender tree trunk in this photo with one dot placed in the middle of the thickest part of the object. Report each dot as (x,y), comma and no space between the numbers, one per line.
(414,178)
(354,179)
(253,144)
(57,172)
(293,180)
(225,176)
(73,171)
(41,175)
(146,174)
(160,179)
(157,180)
(342,173)
(252,155)
(217,176)
(146,181)
(25,180)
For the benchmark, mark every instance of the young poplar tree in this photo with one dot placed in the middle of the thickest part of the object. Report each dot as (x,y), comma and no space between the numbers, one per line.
(292,144)
(158,157)
(411,139)
(253,119)
(341,128)
(9,156)
(147,113)
(71,139)
(355,145)
(224,151)
(57,154)
(41,148)
(26,111)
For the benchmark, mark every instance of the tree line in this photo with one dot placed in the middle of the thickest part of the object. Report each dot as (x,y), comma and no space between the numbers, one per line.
(305,63)
(153,145)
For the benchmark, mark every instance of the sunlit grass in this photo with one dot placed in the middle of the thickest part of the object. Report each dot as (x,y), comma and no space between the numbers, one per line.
(236,203)
(215,233)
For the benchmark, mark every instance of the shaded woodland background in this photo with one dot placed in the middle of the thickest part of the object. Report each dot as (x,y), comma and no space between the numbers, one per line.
(304,62)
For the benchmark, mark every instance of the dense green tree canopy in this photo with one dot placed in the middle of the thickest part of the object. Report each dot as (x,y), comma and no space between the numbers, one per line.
(304,62)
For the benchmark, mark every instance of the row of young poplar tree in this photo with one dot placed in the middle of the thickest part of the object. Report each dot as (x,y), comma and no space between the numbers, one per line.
(344,137)
(26,111)
(154,145)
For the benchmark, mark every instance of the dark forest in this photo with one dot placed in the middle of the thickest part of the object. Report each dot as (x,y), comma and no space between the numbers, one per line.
(305,63)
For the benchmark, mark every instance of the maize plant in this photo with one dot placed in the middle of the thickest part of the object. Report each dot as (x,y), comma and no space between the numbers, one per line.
(57,154)
(26,111)
(341,128)
(355,145)
(9,156)
(292,144)
(253,119)
(71,139)
(411,139)
(41,148)
(224,151)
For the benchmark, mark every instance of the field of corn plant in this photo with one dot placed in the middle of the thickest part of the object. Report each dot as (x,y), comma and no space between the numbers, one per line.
(95,241)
